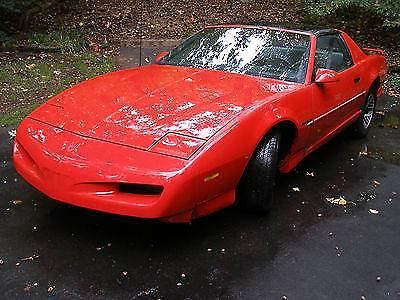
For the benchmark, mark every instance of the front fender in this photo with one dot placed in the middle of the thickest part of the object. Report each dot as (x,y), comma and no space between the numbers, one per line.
(225,157)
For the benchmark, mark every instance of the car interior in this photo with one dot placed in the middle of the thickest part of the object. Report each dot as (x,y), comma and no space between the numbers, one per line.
(285,63)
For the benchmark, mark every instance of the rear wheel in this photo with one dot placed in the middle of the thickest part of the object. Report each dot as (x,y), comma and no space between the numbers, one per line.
(361,127)
(256,187)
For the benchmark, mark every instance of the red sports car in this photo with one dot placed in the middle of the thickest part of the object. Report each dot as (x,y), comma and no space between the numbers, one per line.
(208,123)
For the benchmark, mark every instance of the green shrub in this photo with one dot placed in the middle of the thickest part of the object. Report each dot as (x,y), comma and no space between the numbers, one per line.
(5,40)
(16,6)
(387,10)
(66,40)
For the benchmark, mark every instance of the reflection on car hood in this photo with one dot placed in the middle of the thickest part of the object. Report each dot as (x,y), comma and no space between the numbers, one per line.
(136,107)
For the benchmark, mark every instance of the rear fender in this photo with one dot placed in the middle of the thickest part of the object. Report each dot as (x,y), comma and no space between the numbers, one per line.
(377,69)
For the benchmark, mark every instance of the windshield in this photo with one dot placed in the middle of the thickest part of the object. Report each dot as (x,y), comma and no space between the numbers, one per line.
(259,52)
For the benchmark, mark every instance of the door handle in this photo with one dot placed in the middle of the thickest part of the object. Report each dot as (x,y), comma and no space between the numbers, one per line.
(357,80)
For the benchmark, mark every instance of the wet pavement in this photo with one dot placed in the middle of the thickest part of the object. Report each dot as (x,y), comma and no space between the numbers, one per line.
(306,248)
(142,54)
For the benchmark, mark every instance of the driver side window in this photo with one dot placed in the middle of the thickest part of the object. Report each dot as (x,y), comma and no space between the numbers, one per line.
(332,53)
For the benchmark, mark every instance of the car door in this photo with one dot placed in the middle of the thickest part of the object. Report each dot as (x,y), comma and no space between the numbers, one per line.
(333,103)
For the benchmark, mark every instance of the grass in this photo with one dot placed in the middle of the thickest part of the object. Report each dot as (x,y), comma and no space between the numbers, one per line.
(16,116)
(26,83)
(27,80)
(395,81)
(64,40)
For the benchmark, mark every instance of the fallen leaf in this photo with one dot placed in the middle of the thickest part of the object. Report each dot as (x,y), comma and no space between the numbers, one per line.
(31,66)
(331,200)
(29,286)
(373,211)
(342,201)
(12,133)
(33,257)
(148,292)
(339,201)
(364,151)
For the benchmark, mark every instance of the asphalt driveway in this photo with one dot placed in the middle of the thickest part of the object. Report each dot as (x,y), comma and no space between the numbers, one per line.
(306,248)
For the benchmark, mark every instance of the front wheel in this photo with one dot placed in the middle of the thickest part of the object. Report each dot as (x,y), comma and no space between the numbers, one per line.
(361,127)
(256,187)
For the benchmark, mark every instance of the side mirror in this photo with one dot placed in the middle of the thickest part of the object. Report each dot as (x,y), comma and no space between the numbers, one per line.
(160,56)
(326,76)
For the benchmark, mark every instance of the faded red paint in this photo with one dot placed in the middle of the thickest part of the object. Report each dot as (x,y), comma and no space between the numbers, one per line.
(175,127)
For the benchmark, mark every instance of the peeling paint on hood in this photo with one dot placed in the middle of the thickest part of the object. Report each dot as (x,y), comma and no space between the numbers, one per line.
(137,107)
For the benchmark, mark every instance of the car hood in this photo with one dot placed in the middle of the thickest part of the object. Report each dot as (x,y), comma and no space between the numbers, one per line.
(136,107)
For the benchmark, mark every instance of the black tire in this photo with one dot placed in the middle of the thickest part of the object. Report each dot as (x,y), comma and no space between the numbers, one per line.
(255,190)
(361,127)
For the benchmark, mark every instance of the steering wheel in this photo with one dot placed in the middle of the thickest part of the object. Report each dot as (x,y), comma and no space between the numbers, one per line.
(279,60)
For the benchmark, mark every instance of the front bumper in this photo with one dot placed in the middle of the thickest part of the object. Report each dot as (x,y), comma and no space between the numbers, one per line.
(86,172)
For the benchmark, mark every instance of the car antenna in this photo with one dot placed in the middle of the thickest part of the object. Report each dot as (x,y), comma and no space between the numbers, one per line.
(140,47)
(140,36)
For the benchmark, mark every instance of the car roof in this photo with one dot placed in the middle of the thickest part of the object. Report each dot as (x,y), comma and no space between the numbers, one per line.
(315,32)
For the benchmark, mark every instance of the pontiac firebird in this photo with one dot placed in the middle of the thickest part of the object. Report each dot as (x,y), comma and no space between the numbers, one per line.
(207,124)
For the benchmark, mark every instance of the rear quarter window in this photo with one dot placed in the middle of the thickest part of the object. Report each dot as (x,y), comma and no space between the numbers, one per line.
(332,53)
